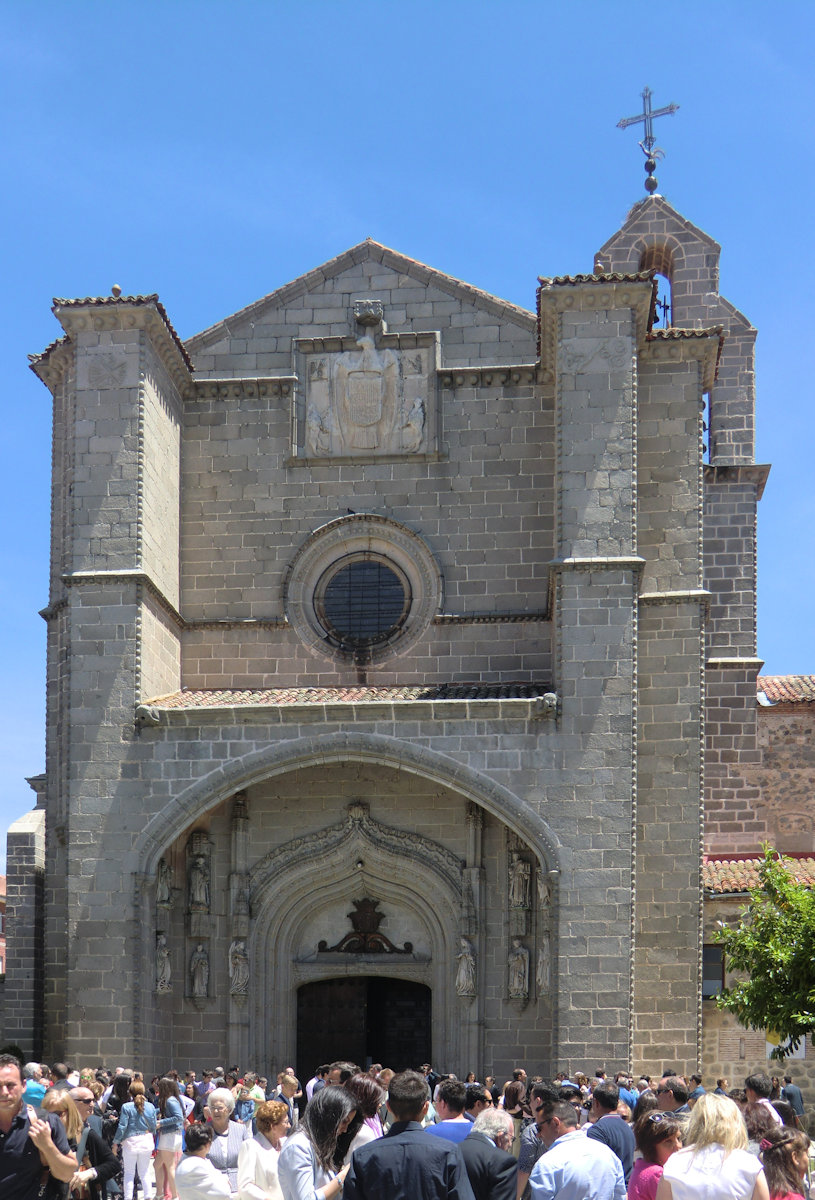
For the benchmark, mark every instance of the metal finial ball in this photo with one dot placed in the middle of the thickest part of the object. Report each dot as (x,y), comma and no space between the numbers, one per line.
(651,184)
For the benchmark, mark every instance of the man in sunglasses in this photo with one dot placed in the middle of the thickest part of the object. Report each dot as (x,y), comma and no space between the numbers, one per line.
(541,1096)
(574,1167)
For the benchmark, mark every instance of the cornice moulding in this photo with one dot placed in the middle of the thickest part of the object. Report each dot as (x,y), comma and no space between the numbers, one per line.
(77,316)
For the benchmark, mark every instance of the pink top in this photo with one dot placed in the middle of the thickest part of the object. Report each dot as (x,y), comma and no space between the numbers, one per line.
(644,1179)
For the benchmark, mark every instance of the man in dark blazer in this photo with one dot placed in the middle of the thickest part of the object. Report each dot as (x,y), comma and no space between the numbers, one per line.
(492,1171)
(792,1094)
(407,1163)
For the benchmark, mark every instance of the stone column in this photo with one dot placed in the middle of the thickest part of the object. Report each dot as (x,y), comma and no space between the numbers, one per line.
(590,330)
(238,1029)
(25,875)
(118,378)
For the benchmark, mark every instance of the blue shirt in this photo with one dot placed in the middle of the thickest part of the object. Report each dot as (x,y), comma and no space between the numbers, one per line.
(454,1131)
(576,1167)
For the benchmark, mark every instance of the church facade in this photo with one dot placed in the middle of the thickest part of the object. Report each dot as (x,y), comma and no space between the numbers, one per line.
(401,642)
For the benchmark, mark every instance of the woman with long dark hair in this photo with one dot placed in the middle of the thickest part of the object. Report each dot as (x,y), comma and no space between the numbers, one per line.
(366,1125)
(785,1155)
(306,1164)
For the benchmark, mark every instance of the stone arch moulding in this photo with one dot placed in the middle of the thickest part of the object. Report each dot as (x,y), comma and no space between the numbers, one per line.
(192,804)
(407,873)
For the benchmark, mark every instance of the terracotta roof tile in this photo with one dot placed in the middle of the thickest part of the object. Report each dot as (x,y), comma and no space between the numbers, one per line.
(600,277)
(789,689)
(739,873)
(112,301)
(674,334)
(272,697)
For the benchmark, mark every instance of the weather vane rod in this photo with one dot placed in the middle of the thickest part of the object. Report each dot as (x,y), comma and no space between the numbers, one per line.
(647,118)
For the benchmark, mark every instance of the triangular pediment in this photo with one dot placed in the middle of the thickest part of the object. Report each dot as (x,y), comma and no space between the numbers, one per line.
(366,269)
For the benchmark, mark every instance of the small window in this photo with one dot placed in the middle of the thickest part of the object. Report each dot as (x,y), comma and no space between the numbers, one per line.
(362,602)
(712,971)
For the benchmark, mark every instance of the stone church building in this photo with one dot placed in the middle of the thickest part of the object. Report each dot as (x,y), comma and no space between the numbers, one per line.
(401,641)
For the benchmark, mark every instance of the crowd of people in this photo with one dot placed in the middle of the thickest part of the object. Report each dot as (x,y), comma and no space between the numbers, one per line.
(91,1134)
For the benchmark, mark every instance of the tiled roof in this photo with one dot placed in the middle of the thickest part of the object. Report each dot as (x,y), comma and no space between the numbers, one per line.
(600,277)
(60,341)
(272,697)
(112,301)
(739,873)
(789,689)
(673,334)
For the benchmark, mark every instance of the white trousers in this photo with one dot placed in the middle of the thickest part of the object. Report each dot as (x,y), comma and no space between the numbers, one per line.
(137,1152)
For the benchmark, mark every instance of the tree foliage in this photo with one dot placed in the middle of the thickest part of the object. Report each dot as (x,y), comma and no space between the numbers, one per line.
(773,947)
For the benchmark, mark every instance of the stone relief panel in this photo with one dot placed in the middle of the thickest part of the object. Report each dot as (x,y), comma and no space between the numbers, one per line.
(369,397)
(106,367)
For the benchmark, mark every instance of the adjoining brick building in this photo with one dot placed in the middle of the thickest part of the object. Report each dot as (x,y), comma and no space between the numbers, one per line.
(385,597)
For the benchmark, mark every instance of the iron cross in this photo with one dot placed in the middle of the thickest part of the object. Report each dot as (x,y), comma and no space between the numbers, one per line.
(647,117)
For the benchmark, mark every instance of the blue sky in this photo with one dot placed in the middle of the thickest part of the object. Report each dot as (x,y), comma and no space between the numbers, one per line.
(212,151)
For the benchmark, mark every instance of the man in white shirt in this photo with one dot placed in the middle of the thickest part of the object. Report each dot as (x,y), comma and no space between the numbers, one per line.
(574,1167)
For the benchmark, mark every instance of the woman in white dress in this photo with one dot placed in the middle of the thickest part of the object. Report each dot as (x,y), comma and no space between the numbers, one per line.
(715,1164)
(257,1160)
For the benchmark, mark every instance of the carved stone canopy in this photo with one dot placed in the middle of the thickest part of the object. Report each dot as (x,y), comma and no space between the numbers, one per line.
(366,938)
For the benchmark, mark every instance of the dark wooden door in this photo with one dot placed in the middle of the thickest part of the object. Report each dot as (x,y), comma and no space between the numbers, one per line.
(363,1019)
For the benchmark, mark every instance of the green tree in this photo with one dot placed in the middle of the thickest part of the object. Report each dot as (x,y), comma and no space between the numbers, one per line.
(773,947)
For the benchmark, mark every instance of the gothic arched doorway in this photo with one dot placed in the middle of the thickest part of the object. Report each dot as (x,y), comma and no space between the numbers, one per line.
(364,1019)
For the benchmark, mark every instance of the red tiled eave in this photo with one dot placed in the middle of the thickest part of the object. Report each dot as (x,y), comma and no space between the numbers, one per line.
(787,689)
(739,872)
(151,301)
(274,697)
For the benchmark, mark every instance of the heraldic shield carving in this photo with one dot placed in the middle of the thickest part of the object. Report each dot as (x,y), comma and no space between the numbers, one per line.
(367,401)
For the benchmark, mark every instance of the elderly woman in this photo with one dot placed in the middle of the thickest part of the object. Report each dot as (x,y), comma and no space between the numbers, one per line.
(257,1160)
(715,1164)
(228,1135)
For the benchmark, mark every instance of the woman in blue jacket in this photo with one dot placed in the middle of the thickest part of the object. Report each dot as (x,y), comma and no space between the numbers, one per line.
(135,1133)
(168,1150)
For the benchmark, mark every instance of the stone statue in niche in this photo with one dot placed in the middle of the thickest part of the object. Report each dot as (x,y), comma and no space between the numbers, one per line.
(465,975)
(544,890)
(163,970)
(199,884)
(164,893)
(199,971)
(238,968)
(413,428)
(543,974)
(519,875)
(518,963)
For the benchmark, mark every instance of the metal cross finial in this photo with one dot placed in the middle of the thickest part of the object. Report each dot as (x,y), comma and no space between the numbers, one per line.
(646,118)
